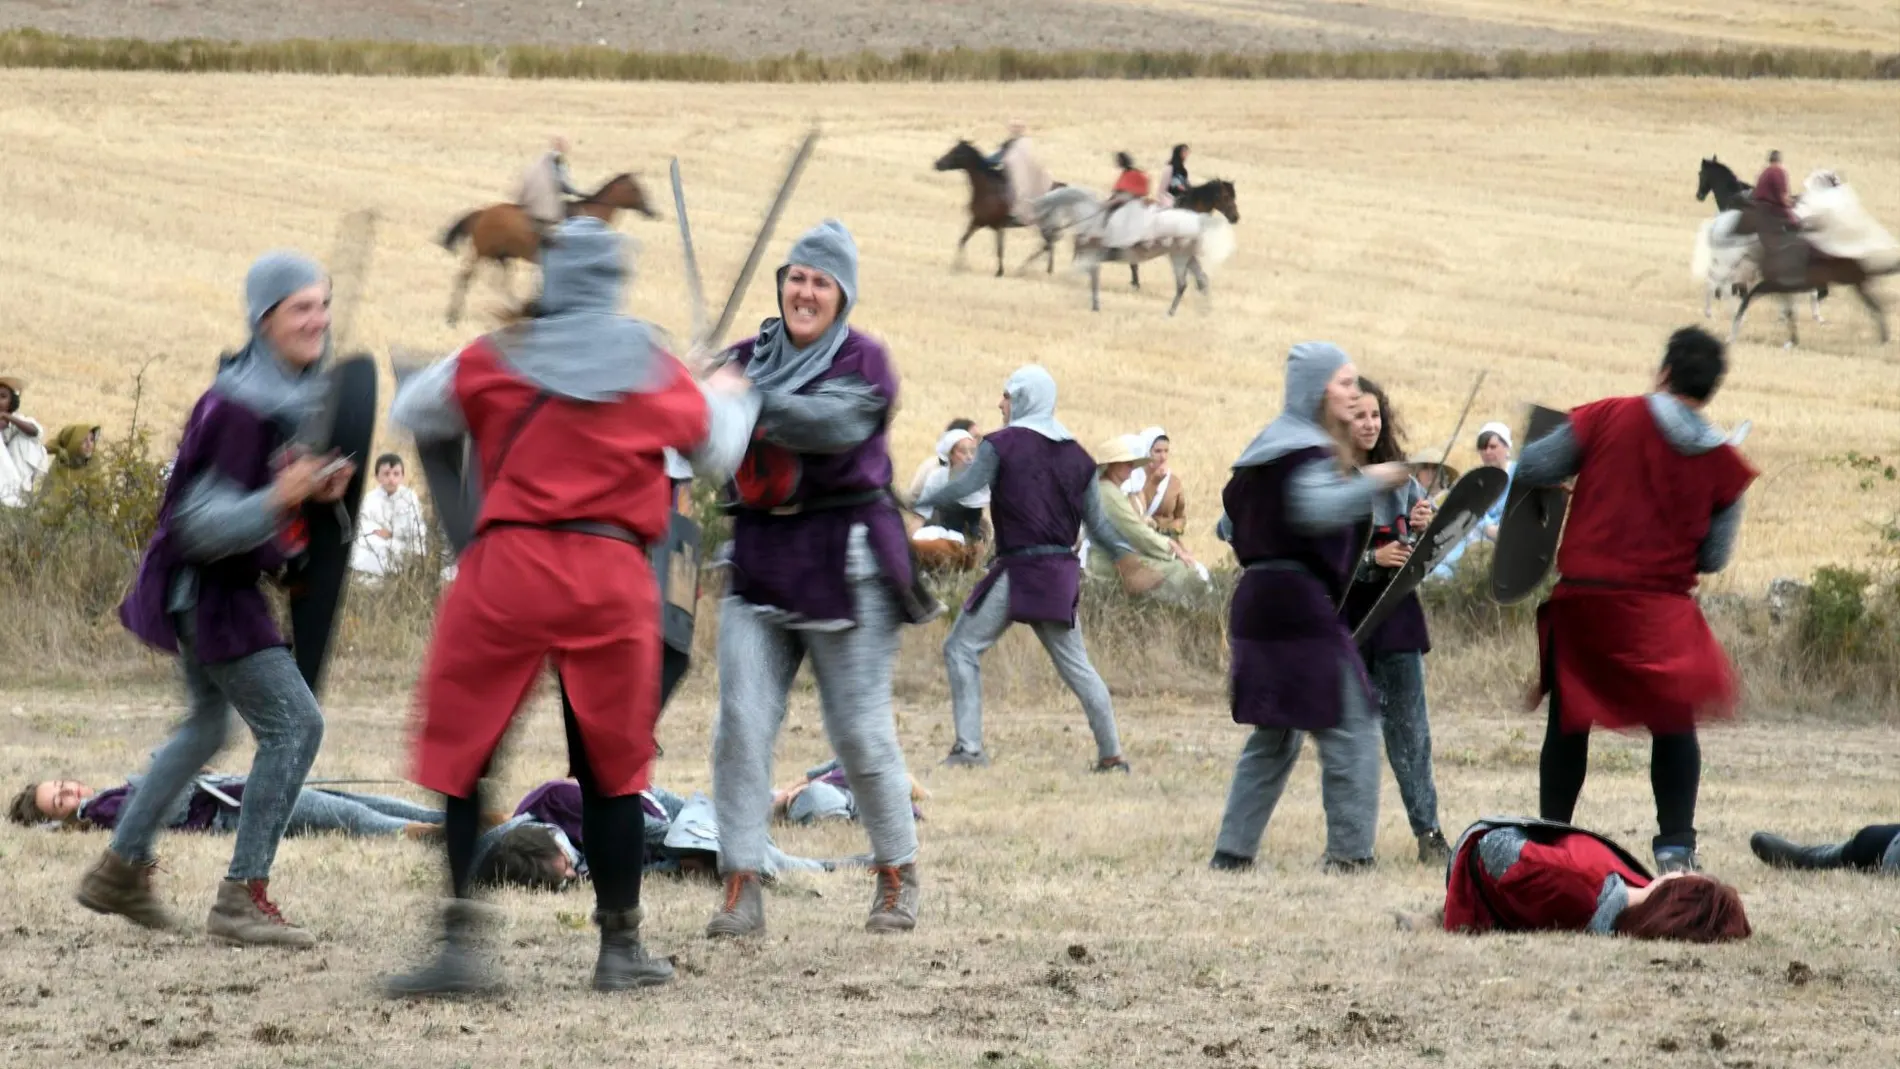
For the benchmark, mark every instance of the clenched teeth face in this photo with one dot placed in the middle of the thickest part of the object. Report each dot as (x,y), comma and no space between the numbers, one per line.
(809,300)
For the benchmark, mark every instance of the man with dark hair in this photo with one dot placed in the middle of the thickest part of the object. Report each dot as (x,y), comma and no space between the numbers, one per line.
(1657,501)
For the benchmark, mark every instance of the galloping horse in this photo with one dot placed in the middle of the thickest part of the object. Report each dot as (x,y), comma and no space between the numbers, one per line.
(1822,271)
(1186,235)
(1727,253)
(1070,207)
(503,233)
(989,197)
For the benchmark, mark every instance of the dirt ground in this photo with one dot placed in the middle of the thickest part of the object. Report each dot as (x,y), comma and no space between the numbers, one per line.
(1068,919)
(778,26)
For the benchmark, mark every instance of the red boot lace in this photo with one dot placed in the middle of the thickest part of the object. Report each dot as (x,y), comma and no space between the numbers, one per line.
(890,886)
(735,887)
(263,903)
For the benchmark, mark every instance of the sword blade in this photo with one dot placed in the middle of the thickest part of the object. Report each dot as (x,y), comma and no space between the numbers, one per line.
(693,284)
(1438,476)
(731,310)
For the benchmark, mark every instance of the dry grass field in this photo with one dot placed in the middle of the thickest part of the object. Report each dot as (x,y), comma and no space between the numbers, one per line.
(1540,231)
(751,29)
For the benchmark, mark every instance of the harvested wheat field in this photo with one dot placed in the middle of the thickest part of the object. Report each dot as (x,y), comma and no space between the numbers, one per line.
(1538,230)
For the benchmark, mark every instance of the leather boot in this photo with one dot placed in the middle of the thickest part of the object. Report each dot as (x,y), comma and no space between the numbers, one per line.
(623,962)
(1783,854)
(245,914)
(115,885)
(460,966)
(894,904)
(743,911)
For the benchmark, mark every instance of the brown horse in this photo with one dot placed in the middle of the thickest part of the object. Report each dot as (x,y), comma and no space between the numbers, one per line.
(989,197)
(504,233)
(1822,271)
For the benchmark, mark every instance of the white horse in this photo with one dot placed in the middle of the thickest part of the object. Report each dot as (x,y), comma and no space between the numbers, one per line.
(1194,237)
(1729,264)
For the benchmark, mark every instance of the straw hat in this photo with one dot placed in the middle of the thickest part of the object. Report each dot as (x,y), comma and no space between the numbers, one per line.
(1121,449)
(1428,460)
(14,383)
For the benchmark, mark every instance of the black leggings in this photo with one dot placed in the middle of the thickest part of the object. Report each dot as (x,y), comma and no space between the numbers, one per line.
(613,830)
(1675,775)
(1868,845)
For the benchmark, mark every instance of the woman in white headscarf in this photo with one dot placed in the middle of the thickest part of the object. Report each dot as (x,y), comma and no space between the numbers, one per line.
(951,535)
(22,448)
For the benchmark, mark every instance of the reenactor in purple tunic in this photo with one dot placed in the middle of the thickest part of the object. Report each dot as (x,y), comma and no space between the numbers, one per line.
(1298,516)
(1042,492)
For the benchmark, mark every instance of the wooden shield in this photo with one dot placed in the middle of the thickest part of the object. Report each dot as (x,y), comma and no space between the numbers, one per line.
(1462,511)
(1532,525)
(347,425)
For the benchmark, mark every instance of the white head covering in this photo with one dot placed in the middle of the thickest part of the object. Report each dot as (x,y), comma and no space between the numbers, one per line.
(1498,429)
(949,441)
(1032,403)
(1309,367)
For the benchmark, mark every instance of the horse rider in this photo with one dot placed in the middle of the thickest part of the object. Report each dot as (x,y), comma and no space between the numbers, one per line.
(1785,254)
(1024,179)
(544,185)
(1127,203)
(1177,182)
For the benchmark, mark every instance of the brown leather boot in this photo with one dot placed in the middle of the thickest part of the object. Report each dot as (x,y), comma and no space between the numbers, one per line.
(245,914)
(623,962)
(115,885)
(744,910)
(894,905)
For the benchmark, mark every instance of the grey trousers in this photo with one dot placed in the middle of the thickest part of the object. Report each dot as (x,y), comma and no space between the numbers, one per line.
(1398,679)
(973,635)
(758,660)
(282,714)
(1348,780)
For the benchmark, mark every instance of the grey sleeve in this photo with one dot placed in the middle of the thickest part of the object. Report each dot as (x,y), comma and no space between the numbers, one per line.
(1719,544)
(1101,529)
(727,435)
(979,475)
(425,403)
(1550,459)
(1320,498)
(1611,902)
(835,417)
(216,518)
(1499,849)
(1224,528)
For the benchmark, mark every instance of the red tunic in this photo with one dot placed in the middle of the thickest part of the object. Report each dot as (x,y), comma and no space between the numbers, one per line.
(1553,886)
(1771,190)
(524,596)
(1621,634)
(1132,182)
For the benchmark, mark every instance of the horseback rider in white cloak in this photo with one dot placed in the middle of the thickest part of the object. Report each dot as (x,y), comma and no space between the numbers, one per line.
(1025,178)
(544,187)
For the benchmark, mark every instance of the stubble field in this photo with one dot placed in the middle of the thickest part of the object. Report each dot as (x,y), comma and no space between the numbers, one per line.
(1540,231)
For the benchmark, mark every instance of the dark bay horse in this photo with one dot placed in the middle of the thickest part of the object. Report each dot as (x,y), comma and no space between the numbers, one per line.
(1731,193)
(503,233)
(1822,271)
(989,197)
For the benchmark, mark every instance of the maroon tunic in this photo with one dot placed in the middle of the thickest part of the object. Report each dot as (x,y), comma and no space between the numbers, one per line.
(1036,503)
(1290,643)
(1771,191)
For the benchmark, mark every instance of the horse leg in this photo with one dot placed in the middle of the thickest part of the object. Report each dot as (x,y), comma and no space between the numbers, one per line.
(1180,284)
(999,252)
(1095,285)
(460,290)
(1200,276)
(1814,299)
(1134,276)
(965,240)
(1788,313)
(1735,324)
(1874,306)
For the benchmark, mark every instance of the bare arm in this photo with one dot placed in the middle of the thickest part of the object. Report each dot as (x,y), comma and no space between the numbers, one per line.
(835,417)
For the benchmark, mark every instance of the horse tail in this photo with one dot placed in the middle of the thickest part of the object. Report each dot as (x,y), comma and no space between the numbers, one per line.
(1217,241)
(460,230)
(1704,256)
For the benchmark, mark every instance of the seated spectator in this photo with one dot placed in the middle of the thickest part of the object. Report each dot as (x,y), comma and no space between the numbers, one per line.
(1494,450)
(389,526)
(1158,491)
(936,461)
(212,805)
(1182,578)
(951,537)
(1434,478)
(70,459)
(23,459)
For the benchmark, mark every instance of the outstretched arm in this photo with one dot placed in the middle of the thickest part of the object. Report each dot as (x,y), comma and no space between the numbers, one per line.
(837,416)
(1550,459)
(1101,529)
(425,403)
(1321,498)
(978,476)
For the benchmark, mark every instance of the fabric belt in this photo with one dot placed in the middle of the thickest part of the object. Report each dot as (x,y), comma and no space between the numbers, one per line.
(1280,564)
(1039,551)
(586,527)
(817,504)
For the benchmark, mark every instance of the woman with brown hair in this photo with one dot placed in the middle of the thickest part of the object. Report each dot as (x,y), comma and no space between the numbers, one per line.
(1515,874)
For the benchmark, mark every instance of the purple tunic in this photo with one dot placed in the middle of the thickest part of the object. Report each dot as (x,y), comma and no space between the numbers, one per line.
(797,562)
(1290,644)
(201,812)
(558,802)
(1036,503)
(233,620)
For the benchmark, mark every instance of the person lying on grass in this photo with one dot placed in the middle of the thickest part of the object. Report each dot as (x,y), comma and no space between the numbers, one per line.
(1516,874)
(213,804)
